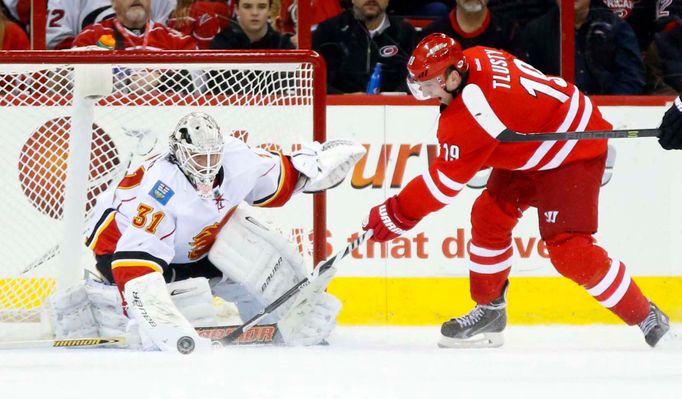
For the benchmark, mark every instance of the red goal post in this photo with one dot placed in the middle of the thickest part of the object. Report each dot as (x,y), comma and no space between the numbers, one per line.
(74,121)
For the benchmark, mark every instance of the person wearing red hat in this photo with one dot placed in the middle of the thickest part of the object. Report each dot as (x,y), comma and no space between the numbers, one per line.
(483,92)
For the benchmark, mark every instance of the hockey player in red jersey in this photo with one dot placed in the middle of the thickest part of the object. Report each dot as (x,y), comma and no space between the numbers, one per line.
(483,91)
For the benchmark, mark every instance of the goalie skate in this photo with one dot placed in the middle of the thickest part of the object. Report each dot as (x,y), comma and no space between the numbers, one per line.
(481,328)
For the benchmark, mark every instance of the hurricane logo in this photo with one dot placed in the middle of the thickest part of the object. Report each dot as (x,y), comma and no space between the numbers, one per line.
(388,51)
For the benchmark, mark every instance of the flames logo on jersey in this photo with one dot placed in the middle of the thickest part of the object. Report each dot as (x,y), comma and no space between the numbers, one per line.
(203,241)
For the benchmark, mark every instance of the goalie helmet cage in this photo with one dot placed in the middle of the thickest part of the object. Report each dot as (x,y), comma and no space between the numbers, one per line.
(74,122)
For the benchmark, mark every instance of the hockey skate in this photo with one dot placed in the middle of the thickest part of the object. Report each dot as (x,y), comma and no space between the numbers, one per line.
(481,328)
(656,326)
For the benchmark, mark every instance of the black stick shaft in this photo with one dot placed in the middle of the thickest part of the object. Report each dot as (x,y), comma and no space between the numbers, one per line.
(294,290)
(510,136)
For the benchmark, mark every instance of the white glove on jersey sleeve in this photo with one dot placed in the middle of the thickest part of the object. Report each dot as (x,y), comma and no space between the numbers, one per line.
(259,259)
(159,320)
(324,166)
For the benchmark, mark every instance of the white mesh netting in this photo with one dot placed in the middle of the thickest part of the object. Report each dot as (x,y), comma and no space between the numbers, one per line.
(265,104)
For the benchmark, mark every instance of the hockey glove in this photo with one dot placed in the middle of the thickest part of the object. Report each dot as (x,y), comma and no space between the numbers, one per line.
(387,221)
(324,166)
(671,127)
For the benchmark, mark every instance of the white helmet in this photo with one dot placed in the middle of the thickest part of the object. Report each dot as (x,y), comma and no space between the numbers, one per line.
(197,146)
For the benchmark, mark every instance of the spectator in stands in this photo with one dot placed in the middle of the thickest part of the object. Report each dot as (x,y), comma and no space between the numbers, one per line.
(133,29)
(356,40)
(646,17)
(67,18)
(12,37)
(251,29)
(17,11)
(287,20)
(607,58)
(664,60)
(471,23)
(520,11)
(201,19)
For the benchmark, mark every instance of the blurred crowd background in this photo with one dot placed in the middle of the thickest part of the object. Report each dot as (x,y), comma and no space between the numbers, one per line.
(622,47)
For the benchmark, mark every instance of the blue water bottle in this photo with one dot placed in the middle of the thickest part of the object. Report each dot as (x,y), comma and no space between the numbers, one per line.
(374,85)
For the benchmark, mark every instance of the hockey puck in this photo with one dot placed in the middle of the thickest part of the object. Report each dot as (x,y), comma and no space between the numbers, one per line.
(185,345)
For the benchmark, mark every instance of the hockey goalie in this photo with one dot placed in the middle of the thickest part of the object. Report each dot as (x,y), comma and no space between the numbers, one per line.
(172,235)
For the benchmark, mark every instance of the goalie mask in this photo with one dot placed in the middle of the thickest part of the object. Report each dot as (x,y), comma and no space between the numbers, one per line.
(197,146)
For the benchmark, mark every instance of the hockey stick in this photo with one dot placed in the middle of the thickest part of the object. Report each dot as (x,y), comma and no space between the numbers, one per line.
(510,136)
(323,267)
(64,343)
(259,334)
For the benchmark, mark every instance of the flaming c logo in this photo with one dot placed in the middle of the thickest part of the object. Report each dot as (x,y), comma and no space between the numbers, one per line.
(203,241)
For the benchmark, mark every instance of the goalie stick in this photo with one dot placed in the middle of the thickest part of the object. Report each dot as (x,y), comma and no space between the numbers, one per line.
(322,268)
(510,136)
(64,343)
(259,334)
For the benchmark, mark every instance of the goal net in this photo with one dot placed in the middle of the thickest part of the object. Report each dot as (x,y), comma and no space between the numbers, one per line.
(74,122)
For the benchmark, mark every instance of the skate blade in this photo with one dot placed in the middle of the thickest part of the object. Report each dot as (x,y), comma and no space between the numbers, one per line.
(671,340)
(484,340)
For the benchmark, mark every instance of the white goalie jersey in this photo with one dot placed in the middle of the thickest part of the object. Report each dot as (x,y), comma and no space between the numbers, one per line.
(67,18)
(155,217)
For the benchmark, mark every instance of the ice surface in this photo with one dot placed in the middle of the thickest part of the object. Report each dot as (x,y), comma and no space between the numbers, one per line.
(364,362)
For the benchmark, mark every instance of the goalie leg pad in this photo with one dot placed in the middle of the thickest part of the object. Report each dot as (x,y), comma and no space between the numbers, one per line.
(159,320)
(107,308)
(70,314)
(312,316)
(194,300)
(259,259)
(88,309)
(246,303)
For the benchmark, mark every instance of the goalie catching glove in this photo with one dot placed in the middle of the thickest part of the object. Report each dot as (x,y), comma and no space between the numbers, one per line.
(323,166)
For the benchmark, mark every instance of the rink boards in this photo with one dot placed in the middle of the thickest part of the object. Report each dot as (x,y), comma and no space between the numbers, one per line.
(421,279)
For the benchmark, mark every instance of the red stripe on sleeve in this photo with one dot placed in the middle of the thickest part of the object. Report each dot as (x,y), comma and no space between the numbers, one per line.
(416,201)
(286,190)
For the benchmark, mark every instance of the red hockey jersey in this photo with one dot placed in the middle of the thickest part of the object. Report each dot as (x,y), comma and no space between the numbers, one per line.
(502,92)
(203,21)
(154,37)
